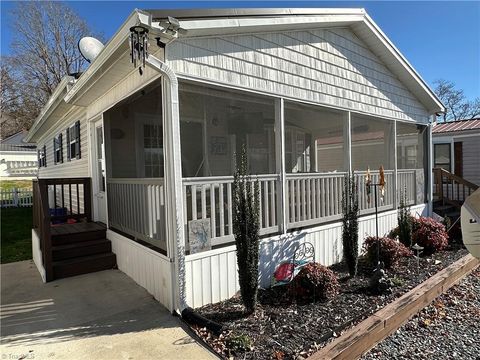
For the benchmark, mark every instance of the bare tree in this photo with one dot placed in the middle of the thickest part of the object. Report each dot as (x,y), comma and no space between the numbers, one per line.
(43,51)
(458,106)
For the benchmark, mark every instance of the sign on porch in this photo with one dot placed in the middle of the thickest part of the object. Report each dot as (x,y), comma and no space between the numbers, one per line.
(199,235)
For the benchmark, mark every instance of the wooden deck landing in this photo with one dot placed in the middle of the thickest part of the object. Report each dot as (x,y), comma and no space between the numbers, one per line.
(82,227)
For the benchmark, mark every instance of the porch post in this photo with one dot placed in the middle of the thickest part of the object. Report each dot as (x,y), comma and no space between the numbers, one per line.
(429,172)
(395,169)
(280,164)
(347,143)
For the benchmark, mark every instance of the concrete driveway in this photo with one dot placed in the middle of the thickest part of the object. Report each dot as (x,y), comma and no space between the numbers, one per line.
(104,315)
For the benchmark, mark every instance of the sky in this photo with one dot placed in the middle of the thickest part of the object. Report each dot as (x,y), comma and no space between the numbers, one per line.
(441,39)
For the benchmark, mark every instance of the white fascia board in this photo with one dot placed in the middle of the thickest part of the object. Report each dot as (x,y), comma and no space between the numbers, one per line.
(209,27)
(55,99)
(436,105)
(137,17)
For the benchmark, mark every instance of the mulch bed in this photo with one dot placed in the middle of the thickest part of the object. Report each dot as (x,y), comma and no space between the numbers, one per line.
(282,328)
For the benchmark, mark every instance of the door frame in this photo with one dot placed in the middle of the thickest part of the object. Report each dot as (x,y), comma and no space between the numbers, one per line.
(93,124)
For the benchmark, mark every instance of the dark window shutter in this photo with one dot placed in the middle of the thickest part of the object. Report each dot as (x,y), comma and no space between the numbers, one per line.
(77,139)
(55,151)
(38,158)
(45,155)
(68,144)
(60,144)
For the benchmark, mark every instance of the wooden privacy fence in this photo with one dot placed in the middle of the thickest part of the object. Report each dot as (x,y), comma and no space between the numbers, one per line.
(16,198)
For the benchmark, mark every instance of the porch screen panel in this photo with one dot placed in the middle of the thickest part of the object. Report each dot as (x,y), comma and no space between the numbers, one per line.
(135,166)
(315,163)
(314,139)
(411,161)
(373,145)
(214,125)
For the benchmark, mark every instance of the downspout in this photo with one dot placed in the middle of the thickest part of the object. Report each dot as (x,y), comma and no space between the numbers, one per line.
(173,186)
(173,181)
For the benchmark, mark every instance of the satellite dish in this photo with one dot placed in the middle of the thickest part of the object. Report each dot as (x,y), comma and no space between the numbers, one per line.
(470,221)
(90,48)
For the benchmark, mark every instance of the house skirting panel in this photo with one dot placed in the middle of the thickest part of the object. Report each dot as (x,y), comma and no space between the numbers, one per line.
(148,268)
(212,276)
(37,254)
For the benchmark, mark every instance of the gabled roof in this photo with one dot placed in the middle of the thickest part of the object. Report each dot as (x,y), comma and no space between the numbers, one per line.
(236,21)
(208,22)
(460,125)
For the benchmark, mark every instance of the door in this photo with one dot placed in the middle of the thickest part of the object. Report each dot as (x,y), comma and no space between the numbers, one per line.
(458,158)
(99,197)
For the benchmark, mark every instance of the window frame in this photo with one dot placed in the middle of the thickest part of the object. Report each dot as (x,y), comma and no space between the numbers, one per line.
(42,157)
(74,140)
(58,149)
(439,164)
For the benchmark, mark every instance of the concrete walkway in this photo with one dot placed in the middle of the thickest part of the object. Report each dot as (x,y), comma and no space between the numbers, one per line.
(104,315)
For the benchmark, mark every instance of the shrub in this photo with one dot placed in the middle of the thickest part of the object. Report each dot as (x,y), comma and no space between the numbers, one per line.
(246,229)
(316,281)
(239,343)
(350,224)
(404,222)
(390,250)
(430,234)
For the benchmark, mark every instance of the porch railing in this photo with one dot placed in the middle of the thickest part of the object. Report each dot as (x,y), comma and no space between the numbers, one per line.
(367,206)
(53,202)
(212,198)
(137,207)
(313,198)
(407,183)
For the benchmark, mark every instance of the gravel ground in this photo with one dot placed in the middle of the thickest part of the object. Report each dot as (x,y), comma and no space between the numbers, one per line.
(447,329)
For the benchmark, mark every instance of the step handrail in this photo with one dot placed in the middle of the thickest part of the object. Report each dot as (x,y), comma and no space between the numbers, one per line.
(443,177)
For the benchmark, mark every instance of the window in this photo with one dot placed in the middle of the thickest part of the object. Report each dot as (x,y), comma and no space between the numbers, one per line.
(42,157)
(442,156)
(58,149)
(153,150)
(73,142)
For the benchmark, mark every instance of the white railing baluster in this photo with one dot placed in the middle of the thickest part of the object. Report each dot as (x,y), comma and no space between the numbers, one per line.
(212,210)
(221,205)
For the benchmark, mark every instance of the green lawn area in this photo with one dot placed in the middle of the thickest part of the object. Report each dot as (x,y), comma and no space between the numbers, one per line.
(16,234)
(12,184)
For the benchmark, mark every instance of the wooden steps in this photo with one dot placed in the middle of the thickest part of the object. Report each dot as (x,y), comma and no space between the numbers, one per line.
(80,248)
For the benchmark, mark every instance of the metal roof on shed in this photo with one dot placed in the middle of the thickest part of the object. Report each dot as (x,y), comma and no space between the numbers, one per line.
(461,125)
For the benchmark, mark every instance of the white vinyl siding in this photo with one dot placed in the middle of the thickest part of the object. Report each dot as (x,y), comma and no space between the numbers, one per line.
(324,66)
(67,169)
(471,161)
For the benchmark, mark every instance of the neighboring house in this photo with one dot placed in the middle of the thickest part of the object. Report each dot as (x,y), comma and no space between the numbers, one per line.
(456,148)
(314,94)
(18,159)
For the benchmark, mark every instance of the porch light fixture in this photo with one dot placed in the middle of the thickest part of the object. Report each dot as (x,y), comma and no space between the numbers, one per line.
(139,46)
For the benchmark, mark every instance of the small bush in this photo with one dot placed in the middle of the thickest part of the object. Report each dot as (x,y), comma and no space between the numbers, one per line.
(430,234)
(316,281)
(239,343)
(390,250)
(404,222)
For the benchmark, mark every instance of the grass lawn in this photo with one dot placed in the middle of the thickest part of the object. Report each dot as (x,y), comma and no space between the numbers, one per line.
(16,234)
(19,184)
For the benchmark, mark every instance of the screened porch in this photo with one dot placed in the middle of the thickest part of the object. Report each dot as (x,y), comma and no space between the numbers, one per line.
(299,154)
